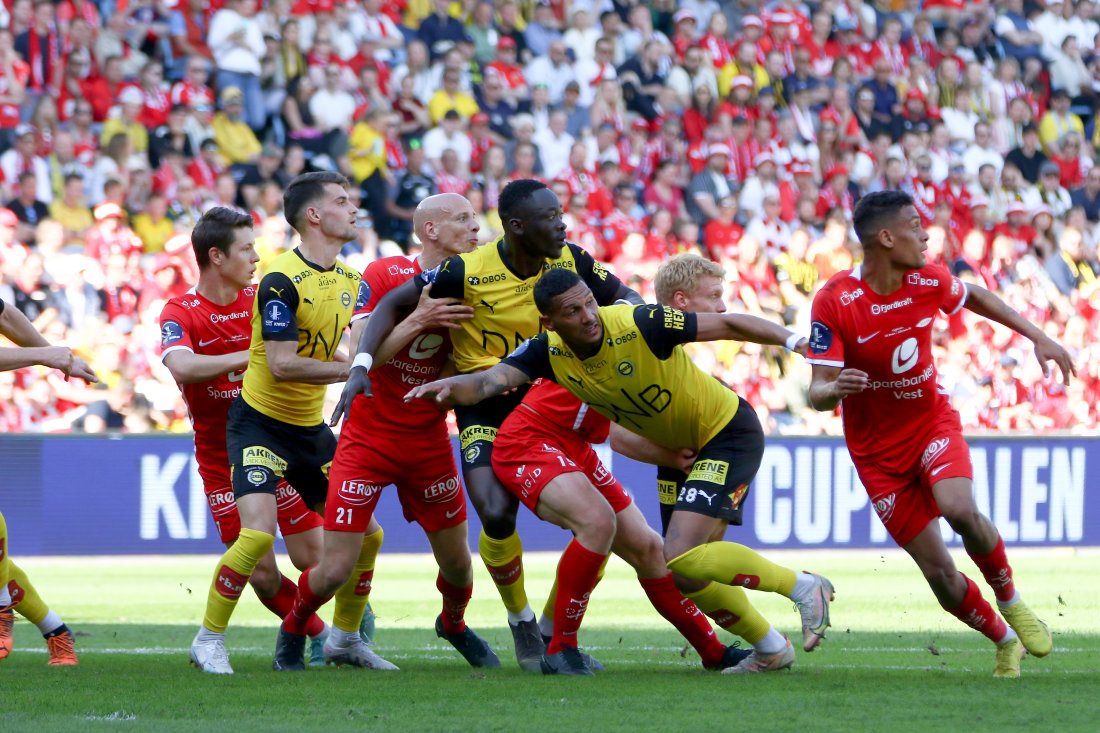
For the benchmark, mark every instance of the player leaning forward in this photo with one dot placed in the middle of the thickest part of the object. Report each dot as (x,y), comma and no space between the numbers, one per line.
(627,363)
(871,350)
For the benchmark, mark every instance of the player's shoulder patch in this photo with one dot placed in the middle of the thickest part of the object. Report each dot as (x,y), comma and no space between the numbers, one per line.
(821,337)
(276,315)
(170,333)
(363,296)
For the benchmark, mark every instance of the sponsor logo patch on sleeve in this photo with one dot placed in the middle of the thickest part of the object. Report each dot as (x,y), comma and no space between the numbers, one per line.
(821,337)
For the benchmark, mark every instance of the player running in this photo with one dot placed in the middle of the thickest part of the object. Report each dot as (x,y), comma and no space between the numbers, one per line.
(871,350)
(16,590)
(627,363)
(496,281)
(385,441)
(275,430)
(204,342)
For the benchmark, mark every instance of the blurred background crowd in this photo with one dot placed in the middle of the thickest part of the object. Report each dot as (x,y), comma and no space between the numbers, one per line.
(744,131)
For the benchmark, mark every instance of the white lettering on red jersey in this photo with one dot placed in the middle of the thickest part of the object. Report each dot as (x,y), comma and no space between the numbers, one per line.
(418,362)
(558,407)
(190,322)
(889,337)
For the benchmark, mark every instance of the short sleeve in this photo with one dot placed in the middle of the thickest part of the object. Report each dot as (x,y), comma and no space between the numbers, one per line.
(604,285)
(446,279)
(664,328)
(953,290)
(532,357)
(826,345)
(277,304)
(175,332)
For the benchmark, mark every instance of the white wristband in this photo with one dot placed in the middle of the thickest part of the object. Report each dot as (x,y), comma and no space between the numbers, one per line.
(362,360)
(792,341)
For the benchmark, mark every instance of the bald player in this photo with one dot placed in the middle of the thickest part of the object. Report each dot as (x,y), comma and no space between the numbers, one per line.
(387,442)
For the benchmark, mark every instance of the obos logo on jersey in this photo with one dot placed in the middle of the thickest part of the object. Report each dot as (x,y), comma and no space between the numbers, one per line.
(170,333)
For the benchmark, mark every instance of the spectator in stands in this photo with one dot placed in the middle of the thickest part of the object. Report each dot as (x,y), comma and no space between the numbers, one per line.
(1087,196)
(237,44)
(710,186)
(237,143)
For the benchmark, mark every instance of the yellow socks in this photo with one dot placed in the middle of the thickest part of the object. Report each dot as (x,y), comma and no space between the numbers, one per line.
(732,564)
(27,601)
(5,561)
(234,570)
(730,608)
(352,597)
(504,561)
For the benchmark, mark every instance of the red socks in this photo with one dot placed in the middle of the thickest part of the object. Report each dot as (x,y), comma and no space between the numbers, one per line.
(303,618)
(455,600)
(577,573)
(282,602)
(975,612)
(685,616)
(996,571)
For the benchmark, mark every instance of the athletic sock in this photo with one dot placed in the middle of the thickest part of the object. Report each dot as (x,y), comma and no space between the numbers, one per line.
(546,620)
(733,564)
(803,584)
(997,572)
(730,608)
(343,638)
(577,572)
(282,602)
(352,596)
(5,597)
(504,561)
(455,600)
(51,625)
(5,563)
(772,643)
(206,634)
(24,595)
(975,612)
(302,618)
(682,613)
(234,570)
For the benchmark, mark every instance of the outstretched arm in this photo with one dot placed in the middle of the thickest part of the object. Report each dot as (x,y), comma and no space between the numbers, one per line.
(469,389)
(740,327)
(430,313)
(187,367)
(986,304)
(33,349)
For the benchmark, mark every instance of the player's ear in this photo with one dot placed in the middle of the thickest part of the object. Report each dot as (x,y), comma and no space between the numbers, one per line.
(215,255)
(546,323)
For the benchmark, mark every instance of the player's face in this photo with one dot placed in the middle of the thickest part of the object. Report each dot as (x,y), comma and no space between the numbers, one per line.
(705,297)
(458,230)
(910,240)
(338,214)
(576,318)
(542,225)
(239,266)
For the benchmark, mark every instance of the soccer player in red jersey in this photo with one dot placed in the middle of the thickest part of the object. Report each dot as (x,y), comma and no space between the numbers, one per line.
(871,350)
(385,441)
(16,590)
(204,341)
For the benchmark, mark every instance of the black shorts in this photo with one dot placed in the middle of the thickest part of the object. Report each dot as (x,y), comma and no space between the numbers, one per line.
(719,480)
(478,425)
(262,450)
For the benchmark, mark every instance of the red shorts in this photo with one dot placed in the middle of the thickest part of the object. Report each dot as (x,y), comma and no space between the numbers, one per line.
(904,502)
(527,455)
(293,514)
(422,469)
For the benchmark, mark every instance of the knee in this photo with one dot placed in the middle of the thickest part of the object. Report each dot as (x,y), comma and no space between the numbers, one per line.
(265,581)
(649,557)
(688,585)
(965,520)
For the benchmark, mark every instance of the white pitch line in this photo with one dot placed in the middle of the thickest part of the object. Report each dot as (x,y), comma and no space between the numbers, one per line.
(160,650)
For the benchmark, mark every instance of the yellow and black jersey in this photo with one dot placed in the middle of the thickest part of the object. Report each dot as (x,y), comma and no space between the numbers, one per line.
(504,305)
(641,377)
(297,300)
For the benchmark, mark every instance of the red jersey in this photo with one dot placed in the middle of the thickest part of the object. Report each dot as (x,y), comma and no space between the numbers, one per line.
(557,406)
(419,362)
(890,338)
(193,323)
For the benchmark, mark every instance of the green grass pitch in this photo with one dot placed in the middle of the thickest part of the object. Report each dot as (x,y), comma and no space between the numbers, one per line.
(893,660)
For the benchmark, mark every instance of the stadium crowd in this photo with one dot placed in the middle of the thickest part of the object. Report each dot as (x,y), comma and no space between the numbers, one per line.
(742,131)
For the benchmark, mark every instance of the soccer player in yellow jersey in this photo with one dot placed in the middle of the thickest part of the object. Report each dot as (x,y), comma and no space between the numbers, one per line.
(627,363)
(497,281)
(275,429)
(16,591)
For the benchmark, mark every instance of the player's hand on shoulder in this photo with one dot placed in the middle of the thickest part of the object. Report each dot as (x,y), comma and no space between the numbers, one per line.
(358,383)
(849,382)
(440,312)
(1047,350)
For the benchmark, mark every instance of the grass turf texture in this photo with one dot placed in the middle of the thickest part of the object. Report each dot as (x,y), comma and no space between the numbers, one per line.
(892,662)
